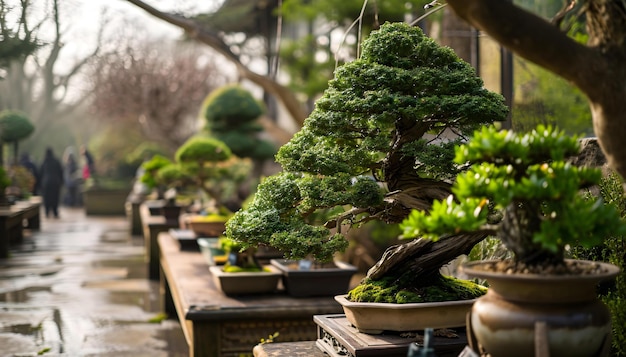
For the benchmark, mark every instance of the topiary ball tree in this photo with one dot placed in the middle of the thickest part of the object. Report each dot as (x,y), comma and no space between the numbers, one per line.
(231,114)
(14,126)
(378,144)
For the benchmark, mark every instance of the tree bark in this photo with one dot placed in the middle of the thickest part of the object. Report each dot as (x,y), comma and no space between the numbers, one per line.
(598,68)
(422,258)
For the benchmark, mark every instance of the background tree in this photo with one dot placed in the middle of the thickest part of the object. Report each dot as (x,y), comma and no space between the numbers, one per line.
(598,67)
(16,40)
(41,85)
(378,144)
(155,88)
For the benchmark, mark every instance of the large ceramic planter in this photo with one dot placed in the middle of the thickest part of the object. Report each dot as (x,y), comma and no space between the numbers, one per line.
(323,281)
(517,308)
(374,317)
(246,283)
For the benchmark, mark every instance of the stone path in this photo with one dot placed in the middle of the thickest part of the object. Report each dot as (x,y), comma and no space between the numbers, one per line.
(79,287)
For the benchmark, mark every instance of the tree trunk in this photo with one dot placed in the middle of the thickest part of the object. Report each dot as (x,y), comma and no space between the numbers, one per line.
(598,69)
(418,260)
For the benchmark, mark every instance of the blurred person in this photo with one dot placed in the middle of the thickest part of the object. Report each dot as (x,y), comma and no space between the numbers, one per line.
(89,169)
(51,175)
(72,180)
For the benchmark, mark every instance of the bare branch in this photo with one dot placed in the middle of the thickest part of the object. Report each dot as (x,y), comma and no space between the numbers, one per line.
(208,37)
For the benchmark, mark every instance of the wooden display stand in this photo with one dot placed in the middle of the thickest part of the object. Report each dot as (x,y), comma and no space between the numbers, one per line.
(13,220)
(218,325)
(152,225)
(338,338)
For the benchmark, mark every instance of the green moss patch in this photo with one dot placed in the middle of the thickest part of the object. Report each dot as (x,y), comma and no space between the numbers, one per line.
(446,288)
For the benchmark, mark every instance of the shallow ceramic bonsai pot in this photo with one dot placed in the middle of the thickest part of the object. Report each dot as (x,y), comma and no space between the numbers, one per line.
(205,228)
(246,283)
(329,280)
(375,318)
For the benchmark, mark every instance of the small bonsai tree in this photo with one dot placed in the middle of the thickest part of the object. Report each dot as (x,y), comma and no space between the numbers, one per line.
(378,144)
(527,180)
(14,126)
(232,114)
(208,164)
(150,173)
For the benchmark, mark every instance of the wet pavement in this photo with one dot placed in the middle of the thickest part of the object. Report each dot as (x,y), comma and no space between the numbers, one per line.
(79,287)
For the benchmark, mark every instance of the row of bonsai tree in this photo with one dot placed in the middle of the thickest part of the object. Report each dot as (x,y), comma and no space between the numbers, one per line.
(404,134)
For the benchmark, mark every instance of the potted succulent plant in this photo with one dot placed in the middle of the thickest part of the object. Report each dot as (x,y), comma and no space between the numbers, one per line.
(378,144)
(521,189)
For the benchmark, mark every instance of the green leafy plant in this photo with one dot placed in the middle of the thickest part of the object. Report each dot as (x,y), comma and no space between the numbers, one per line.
(151,169)
(361,155)
(611,250)
(14,126)
(203,163)
(521,189)
(208,164)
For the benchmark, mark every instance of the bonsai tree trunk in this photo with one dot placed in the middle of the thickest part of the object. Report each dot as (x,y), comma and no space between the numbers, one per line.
(420,260)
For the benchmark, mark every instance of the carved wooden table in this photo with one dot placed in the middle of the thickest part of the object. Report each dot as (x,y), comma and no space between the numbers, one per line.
(218,325)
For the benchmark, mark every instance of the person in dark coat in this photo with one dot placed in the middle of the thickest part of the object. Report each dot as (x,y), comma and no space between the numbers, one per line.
(51,175)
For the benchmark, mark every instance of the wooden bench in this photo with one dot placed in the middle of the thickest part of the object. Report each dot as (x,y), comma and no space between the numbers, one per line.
(218,325)
(13,220)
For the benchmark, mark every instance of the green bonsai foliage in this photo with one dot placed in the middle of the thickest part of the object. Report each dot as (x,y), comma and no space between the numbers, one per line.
(611,250)
(5,181)
(526,178)
(231,114)
(359,155)
(208,163)
(151,169)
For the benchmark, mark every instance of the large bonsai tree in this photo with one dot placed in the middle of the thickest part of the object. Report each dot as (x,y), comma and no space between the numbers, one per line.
(378,144)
